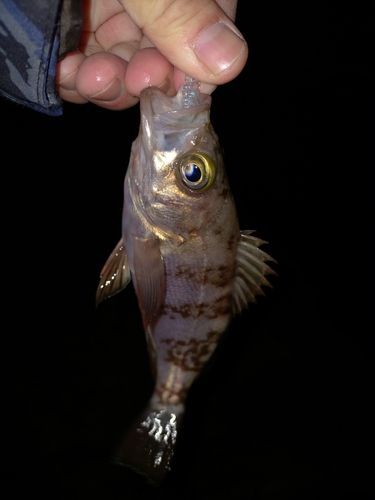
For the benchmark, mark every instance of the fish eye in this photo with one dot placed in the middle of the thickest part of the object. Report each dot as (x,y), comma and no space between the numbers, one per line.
(198,170)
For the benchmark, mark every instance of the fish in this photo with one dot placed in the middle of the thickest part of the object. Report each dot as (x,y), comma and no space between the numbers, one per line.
(191,266)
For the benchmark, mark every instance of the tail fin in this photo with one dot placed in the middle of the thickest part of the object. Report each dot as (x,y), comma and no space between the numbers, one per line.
(148,445)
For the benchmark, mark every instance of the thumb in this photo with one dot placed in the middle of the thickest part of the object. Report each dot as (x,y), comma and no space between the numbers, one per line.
(196,36)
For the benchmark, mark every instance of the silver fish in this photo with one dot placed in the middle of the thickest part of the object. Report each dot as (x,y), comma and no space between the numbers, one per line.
(191,266)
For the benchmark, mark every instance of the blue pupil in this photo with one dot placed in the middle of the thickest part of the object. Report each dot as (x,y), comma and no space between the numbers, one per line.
(193,172)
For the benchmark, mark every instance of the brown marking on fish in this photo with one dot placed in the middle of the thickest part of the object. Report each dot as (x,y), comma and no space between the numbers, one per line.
(218,276)
(233,239)
(167,312)
(224,193)
(213,336)
(185,272)
(169,395)
(183,310)
(217,306)
(189,355)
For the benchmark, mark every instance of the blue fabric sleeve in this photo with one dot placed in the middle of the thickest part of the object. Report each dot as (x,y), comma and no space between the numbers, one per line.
(29,51)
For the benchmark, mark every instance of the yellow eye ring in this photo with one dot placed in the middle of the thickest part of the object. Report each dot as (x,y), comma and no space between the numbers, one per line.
(197,170)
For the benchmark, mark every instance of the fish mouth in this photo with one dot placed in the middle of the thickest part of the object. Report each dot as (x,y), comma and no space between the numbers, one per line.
(163,112)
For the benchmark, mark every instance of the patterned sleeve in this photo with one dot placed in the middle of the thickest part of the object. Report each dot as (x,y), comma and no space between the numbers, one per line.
(33,36)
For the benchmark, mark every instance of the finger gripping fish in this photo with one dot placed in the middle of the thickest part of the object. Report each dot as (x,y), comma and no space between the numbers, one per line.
(191,266)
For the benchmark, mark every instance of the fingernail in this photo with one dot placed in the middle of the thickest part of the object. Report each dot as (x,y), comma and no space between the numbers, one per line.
(218,47)
(110,93)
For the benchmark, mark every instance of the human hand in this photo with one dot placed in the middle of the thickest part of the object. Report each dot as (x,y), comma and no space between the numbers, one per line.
(127,45)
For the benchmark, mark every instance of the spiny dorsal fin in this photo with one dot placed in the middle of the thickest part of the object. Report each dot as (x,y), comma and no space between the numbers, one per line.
(251,271)
(115,274)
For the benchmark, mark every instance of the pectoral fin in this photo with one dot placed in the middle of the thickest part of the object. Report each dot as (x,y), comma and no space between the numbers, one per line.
(251,271)
(149,277)
(115,274)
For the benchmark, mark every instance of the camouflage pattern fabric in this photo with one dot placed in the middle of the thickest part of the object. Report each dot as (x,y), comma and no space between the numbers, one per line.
(30,36)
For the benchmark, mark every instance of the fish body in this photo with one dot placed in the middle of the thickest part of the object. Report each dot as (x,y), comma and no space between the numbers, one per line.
(191,266)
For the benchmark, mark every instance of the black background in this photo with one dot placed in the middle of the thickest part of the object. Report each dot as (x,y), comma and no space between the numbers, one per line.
(285,408)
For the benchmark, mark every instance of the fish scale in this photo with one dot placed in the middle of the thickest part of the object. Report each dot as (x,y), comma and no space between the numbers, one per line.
(191,266)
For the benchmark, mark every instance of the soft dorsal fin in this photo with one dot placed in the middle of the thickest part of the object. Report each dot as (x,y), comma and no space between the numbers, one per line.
(250,272)
(149,277)
(115,274)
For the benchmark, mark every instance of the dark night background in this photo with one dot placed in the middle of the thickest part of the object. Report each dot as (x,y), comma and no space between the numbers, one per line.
(284,411)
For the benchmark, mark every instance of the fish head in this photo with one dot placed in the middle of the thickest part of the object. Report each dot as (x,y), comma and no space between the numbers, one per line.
(177,165)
